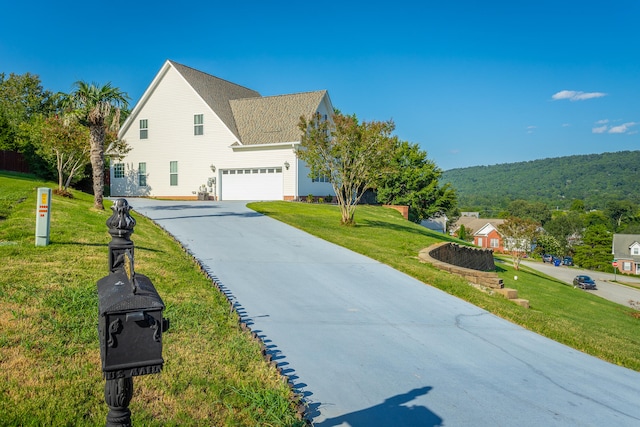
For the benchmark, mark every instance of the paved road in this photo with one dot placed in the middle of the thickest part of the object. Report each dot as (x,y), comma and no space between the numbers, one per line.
(369,346)
(615,292)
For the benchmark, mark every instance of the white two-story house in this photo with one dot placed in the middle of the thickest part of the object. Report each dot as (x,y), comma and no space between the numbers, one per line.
(194,133)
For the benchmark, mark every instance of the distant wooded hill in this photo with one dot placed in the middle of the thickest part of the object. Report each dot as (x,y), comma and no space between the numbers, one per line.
(593,178)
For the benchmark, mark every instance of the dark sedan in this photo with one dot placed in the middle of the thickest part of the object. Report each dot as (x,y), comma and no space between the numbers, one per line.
(584,282)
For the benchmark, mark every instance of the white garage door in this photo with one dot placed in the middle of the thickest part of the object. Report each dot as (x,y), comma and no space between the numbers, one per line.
(251,184)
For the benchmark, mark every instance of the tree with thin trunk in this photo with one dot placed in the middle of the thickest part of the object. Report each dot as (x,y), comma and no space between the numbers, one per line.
(98,108)
(64,142)
(351,154)
(518,234)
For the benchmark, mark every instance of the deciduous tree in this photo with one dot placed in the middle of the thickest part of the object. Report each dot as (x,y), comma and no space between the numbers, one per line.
(547,244)
(64,143)
(414,181)
(518,234)
(352,154)
(535,211)
(21,98)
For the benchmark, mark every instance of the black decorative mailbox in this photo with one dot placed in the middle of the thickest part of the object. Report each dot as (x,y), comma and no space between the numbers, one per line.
(130,326)
(131,323)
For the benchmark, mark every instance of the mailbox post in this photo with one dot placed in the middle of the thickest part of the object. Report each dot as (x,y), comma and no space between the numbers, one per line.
(130,326)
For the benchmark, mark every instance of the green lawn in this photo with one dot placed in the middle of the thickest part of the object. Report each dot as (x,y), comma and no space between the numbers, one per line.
(574,317)
(214,374)
(50,371)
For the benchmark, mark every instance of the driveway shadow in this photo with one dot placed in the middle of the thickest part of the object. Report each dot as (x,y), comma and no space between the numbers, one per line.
(391,412)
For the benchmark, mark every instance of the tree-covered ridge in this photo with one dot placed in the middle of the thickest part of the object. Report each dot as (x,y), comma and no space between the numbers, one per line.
(595,179)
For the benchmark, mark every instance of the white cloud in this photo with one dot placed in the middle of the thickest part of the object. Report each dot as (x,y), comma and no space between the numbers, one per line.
(530,129)
(623,128)
(573,95)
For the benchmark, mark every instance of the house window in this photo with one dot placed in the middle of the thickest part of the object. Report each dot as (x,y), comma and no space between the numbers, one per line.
(144,129)
(173,173)
(626,266)
(198,124)
(142,174)
(319,178)
(495,243)
(118,170)
(636,251)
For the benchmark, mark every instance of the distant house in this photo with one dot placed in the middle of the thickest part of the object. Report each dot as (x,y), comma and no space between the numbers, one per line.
(489,237)
(195,135)
(626,250)
(438,224)
(484,230)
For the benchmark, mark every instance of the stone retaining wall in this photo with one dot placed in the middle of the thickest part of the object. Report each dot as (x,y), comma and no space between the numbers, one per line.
(471,263)
(464,256)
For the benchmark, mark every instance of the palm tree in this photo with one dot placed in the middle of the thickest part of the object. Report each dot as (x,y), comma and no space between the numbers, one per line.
(98,108)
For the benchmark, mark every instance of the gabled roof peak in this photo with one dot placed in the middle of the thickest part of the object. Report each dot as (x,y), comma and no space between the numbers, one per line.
(183,67)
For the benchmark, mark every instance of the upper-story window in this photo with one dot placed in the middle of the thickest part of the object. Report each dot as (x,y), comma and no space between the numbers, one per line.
(636,251)
(144,129)
(198,124)
(118,170)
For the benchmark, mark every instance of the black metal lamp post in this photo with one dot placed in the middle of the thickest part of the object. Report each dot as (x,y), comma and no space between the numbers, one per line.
(131,323)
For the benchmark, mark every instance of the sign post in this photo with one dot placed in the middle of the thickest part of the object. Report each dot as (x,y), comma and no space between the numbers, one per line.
(43,216)
(615,269)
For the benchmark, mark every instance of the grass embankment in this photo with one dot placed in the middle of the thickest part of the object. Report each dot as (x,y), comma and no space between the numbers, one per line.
(570,316)
(50,372)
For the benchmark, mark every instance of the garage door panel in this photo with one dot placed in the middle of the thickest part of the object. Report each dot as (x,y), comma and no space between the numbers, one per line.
(251,184)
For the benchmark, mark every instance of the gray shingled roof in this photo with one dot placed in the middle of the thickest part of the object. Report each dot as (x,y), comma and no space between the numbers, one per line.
(622,243)
(273,119)
(216,93)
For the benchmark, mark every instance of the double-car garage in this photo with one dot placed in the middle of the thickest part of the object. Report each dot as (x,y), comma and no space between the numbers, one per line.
(251,184)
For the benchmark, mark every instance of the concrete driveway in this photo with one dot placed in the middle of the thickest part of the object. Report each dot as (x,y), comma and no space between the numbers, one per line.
(369,346)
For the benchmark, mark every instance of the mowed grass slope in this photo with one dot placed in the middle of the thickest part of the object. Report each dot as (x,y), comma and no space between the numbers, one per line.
(50,372)
(574,317)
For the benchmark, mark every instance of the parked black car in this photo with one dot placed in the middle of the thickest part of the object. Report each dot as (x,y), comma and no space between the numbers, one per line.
(584,282)
(567,260)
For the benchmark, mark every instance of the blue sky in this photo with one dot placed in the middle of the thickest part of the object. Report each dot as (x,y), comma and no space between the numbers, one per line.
(472,82)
